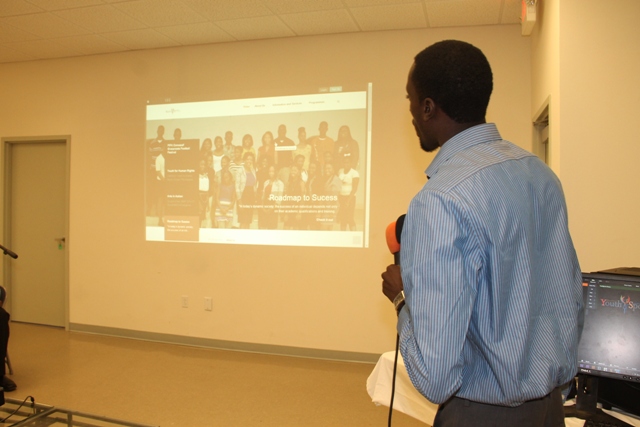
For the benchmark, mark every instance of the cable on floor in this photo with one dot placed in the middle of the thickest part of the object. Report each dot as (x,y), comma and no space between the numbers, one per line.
(33,404)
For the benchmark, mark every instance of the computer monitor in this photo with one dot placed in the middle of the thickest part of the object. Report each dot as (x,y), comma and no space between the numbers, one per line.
(609,350)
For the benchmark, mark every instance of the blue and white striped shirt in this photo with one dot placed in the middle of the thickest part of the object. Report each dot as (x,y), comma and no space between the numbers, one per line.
(493,289)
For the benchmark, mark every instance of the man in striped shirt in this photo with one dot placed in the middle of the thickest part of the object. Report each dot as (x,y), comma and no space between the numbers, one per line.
(493,312)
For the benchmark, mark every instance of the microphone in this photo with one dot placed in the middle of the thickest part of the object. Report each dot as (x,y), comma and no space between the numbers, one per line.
(393,234)
(9,252)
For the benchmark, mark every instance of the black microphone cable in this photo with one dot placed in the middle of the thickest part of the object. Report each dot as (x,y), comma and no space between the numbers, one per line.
(33,402)
(393,379)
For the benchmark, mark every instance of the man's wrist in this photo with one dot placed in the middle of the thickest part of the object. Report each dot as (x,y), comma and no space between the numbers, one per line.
(398,302)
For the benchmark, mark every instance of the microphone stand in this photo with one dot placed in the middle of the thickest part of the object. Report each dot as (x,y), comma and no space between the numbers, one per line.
(9,252)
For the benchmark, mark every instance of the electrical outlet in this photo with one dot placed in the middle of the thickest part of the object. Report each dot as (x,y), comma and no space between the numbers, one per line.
(185,301)
(208,304)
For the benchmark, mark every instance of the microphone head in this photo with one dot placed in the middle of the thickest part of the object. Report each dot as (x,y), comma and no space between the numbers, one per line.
(392,241)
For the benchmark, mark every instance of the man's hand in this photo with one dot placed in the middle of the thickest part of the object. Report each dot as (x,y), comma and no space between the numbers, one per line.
(392,282)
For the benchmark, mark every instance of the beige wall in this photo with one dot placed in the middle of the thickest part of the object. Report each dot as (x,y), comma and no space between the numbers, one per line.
(595,108)
(545,63)
(319,298)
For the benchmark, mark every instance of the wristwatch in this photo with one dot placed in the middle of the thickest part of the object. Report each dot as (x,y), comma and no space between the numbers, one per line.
(398,302)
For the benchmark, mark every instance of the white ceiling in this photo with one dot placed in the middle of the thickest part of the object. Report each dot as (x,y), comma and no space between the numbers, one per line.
(40,29)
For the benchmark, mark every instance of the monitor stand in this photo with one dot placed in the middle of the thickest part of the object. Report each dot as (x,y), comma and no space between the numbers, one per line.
(586,406)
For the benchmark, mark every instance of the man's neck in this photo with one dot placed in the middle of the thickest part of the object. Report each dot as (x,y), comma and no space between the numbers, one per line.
(453,128)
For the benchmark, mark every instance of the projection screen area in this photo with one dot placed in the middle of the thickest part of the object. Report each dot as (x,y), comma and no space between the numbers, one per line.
(287,170)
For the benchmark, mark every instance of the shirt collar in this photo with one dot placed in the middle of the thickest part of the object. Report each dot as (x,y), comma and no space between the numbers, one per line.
(478,134)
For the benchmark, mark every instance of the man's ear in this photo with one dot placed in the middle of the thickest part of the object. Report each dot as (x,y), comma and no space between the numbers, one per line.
(428,109)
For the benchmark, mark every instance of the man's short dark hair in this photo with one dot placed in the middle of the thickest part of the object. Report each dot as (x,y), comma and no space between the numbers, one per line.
(457,76)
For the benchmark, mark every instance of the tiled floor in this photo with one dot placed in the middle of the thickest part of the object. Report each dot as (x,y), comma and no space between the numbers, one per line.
(172,385)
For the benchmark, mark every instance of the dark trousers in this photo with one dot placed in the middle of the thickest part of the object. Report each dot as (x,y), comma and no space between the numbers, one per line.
(544,412)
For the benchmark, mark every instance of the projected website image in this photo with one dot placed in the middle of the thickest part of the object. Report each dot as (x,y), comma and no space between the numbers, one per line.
(273,171)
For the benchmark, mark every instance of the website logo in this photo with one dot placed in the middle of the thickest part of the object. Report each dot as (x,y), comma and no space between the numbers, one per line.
(625,303)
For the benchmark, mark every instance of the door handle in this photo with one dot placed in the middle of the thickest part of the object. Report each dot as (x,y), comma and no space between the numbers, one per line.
(61,241)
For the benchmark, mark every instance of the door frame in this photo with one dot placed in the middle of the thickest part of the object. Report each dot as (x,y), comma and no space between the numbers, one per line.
(5,193)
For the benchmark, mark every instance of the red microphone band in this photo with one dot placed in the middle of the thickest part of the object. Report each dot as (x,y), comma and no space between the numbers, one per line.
(392,240)
(393,235)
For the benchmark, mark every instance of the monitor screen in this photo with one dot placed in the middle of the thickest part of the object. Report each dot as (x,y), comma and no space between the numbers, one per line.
(610,343)
(609,351)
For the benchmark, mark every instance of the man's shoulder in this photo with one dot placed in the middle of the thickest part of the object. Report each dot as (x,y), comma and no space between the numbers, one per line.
(491,152)
(481,156)
(491,163)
